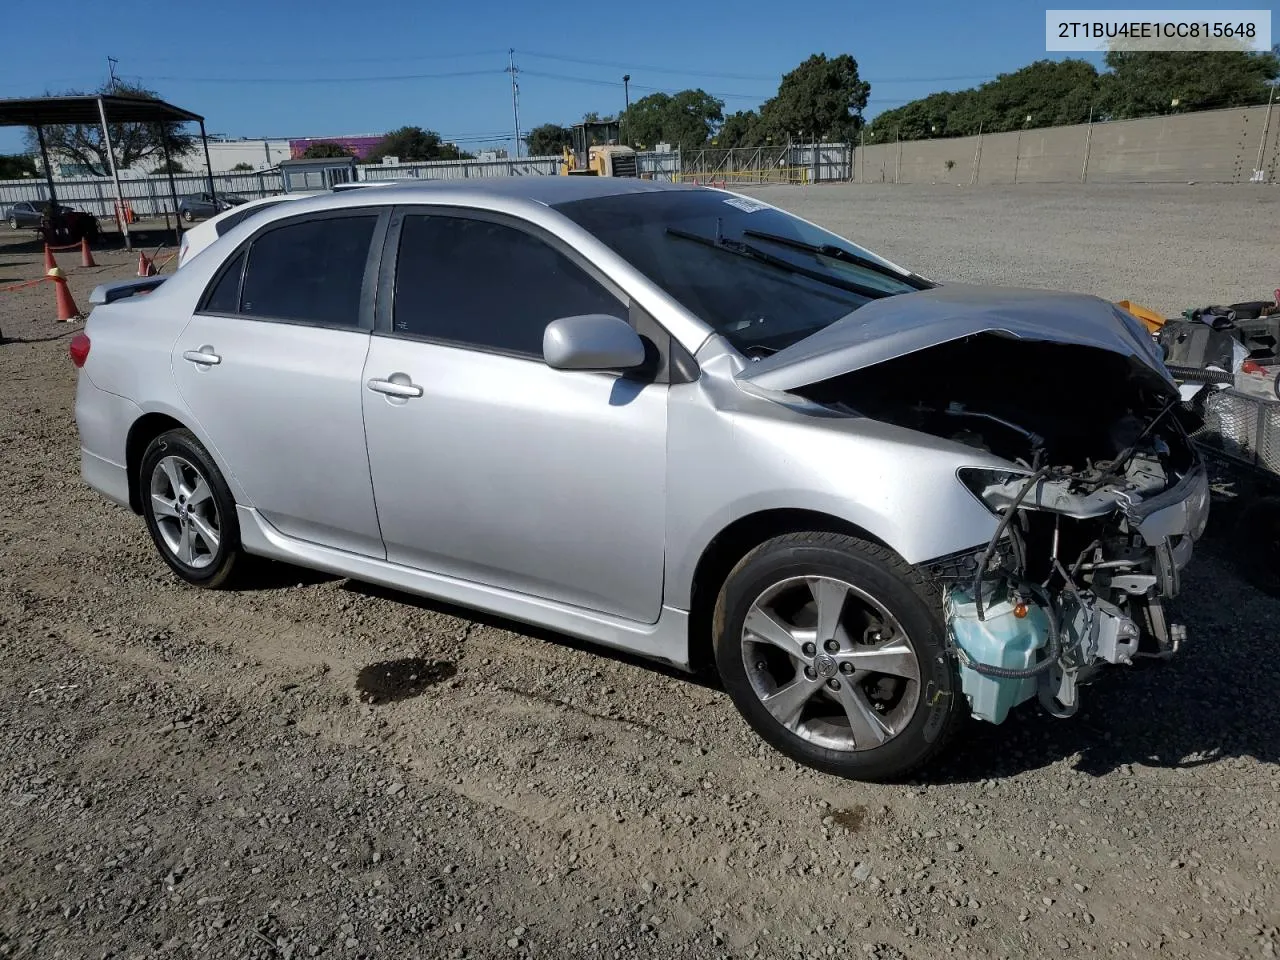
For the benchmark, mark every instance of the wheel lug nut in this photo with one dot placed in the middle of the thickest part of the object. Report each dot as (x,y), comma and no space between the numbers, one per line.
(846,668)
(810,673)
(760,665)
(810,649)
(832,646)
(833,683)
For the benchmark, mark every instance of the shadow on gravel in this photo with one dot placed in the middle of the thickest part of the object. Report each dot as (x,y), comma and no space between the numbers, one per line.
(1214,701)
(547,636)
(277,575)
(393,680)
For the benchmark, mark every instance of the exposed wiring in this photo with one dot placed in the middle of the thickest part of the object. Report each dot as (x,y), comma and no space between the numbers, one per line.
(1122,461)
(1001,527)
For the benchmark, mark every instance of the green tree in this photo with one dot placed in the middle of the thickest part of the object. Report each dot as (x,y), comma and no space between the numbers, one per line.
(324,150)
(414,145)
(547,139)
(1141,83)
(15,166)
(740,129)
(820,99)
(688,118)
(131,142)
(242,167)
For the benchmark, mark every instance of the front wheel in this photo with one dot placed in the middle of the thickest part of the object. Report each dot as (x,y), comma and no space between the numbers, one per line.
(13,223)
(189,510)
(188,216)
(832,648)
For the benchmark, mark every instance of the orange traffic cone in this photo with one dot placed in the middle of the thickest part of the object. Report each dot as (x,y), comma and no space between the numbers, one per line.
(86,255)
(49,262)
(145,267)
(67,309)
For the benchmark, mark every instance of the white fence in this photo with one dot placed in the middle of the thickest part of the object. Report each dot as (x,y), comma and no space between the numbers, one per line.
(151,197)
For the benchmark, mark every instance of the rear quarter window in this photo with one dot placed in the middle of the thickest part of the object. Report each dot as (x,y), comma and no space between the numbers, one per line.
(229,223)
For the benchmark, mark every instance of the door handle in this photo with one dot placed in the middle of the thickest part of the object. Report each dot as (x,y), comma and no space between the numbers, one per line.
(201,357)
(393,389)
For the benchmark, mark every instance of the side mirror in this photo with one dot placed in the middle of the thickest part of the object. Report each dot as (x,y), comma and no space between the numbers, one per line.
(592,341)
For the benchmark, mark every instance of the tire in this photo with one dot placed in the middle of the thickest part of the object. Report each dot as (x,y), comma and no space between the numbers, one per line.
(13,223)
(193,526)
(188,216)
(888,615)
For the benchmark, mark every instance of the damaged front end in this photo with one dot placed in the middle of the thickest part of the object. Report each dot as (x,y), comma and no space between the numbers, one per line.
(1097,512)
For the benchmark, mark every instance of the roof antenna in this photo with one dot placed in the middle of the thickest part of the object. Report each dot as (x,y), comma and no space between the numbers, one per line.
(719,231)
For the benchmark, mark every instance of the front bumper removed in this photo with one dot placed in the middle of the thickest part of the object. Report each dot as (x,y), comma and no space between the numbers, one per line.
(1030,643)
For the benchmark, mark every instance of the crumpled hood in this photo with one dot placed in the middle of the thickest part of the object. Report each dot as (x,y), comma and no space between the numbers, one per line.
(895,326)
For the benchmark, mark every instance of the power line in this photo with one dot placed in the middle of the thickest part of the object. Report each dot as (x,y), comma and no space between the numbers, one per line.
(304,80)
(636,86)
(684,71)
(262,62)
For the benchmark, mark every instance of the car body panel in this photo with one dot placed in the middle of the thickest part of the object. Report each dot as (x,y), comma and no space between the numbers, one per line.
(895,326)
(293,384)
(510,473)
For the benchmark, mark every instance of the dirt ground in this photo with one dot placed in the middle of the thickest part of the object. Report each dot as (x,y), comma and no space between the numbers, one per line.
(317,767)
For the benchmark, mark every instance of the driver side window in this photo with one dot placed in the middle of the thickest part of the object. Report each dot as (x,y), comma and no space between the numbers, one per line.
(487,285)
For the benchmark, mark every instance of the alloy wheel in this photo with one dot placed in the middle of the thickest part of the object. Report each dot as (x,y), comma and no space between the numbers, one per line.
(830,663)
(185,512)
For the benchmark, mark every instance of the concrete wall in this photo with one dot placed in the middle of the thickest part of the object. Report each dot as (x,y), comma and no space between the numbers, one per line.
(1210,146)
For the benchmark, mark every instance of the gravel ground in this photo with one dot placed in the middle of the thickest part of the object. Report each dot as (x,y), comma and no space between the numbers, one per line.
(316,767)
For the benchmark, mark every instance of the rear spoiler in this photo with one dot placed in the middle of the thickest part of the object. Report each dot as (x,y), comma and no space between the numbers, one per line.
(110,292)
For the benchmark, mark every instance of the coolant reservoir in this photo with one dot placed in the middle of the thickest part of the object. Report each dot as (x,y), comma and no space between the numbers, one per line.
(1000,640)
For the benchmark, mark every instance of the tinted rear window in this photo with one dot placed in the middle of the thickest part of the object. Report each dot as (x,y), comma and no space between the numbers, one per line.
(231,221)
(311,271)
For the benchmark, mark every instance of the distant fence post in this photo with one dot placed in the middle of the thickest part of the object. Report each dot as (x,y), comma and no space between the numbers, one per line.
(977,157)
(1088,135)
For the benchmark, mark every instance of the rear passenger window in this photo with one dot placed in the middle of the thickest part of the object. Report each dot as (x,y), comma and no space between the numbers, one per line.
(225,296)
(487,285)
(311,272)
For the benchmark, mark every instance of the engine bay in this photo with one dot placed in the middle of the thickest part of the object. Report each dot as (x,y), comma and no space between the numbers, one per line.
(1084,553)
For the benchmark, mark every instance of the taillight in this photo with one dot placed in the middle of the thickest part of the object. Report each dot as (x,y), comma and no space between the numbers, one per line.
(79,349)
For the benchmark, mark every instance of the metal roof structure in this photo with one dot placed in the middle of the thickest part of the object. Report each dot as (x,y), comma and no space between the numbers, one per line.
(47,111)
(98,110)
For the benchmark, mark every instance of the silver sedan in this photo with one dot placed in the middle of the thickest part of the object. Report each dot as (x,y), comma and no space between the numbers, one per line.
(675,421)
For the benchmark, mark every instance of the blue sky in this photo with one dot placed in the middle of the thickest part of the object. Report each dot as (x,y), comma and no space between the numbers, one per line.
(255,68)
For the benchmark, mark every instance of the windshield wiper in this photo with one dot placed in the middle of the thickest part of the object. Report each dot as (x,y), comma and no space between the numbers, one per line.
(839,253)
(741,249)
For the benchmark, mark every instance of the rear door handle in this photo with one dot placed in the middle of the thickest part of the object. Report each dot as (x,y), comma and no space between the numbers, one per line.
(393,389)
(202,357)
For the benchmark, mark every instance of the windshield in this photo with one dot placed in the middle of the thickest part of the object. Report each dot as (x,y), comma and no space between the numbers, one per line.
(760,277)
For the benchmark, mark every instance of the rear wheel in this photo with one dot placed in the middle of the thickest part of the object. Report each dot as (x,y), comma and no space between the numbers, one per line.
(832,648)
(189,510)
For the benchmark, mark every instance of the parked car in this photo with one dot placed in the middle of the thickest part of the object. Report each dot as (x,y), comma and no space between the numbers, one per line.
(203,205)
(68,225)
(672,420)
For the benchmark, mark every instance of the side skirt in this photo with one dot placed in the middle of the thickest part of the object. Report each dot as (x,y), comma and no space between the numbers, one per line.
(666,640)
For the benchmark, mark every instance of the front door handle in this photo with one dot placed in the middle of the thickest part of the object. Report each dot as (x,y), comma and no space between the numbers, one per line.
(206,357)
(393,389)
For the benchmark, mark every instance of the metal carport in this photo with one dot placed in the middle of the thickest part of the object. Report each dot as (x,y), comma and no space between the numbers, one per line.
(90,110)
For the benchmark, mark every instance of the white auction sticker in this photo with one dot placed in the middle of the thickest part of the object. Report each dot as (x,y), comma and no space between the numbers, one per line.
(1103,30)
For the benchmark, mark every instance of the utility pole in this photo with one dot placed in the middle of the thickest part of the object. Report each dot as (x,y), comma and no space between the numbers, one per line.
(515,95)
(626,99)
(111,70)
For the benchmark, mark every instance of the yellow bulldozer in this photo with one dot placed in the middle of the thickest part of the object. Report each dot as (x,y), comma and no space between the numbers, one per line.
(596,152)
